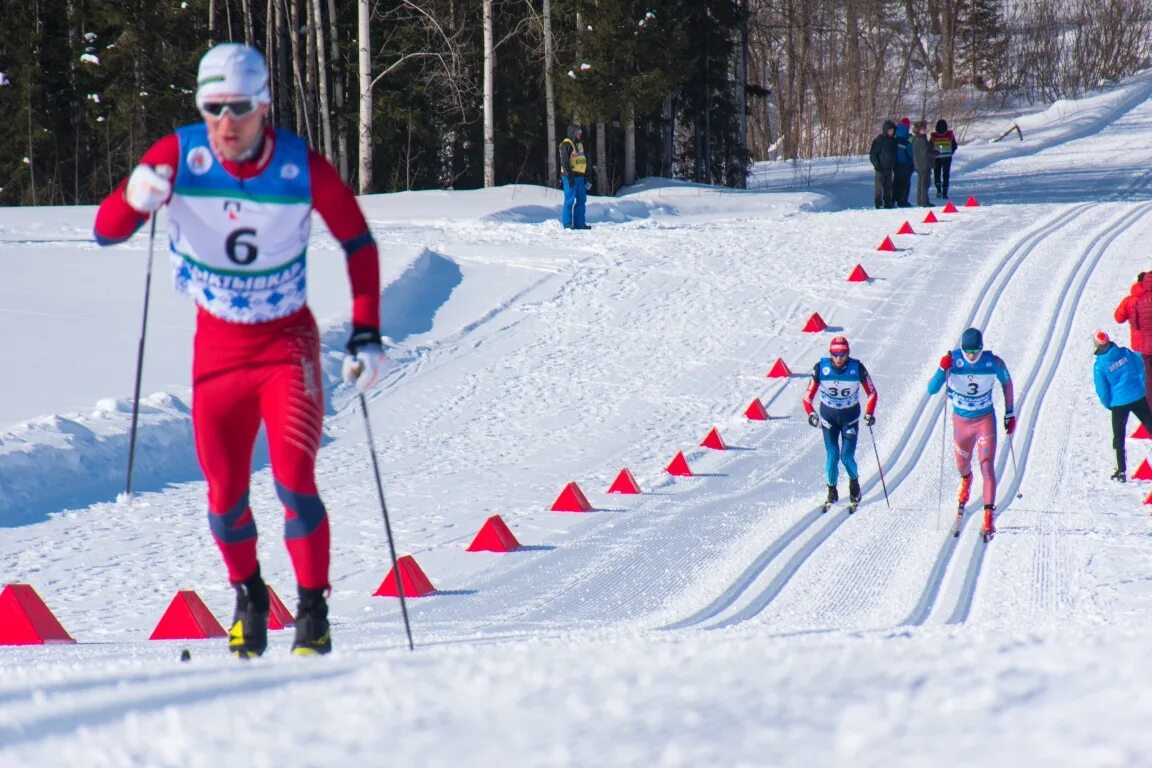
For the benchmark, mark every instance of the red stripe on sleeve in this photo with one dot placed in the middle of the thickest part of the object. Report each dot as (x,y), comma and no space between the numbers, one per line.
(116,221)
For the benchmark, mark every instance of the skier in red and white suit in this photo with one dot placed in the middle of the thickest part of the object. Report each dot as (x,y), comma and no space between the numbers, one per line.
(240,197)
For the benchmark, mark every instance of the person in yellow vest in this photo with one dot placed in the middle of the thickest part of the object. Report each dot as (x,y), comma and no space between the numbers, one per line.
(573,166)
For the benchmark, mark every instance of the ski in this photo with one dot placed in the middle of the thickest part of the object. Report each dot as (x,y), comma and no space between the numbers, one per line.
(988,535)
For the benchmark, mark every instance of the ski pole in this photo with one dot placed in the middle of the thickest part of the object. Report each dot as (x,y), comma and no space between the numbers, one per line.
(943,447)
(876,451)
(1015,470)
(127,495)
(387,524)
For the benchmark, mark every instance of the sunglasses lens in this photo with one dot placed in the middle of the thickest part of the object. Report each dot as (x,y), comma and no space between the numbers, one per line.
(237,108)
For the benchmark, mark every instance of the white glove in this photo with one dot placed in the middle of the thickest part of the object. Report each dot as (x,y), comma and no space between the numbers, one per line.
(148,188)
(364,363)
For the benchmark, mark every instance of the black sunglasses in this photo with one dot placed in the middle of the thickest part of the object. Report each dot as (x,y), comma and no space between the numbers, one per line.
(235,107)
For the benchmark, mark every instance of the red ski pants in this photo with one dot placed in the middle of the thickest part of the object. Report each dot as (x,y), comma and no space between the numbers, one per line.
(243,374)
(977,438)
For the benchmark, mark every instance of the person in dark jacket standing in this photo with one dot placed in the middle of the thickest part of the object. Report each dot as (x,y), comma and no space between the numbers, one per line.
(573,167)
(944,142)
(923,159)
(902,177)
(883,157)
(1119,376)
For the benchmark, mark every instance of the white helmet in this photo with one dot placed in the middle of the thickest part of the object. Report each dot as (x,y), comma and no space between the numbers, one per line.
(232,69)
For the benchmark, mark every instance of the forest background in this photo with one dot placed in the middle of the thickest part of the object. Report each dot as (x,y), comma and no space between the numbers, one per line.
(438,94)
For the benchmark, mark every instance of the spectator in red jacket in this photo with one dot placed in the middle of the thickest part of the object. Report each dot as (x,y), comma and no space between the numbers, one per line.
(1125,309)
(1137,308)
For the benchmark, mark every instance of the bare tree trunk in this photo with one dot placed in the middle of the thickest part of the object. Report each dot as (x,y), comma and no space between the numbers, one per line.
(323,109)
(603,185)
(742,97)
(489,120)
(339,93)
(312,73)
(364,59)
(549,100)
(246,9)
(298,66)
(629,146)
(212,20)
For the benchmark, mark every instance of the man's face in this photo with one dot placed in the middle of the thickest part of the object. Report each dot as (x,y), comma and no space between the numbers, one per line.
(235,124)
(972,355)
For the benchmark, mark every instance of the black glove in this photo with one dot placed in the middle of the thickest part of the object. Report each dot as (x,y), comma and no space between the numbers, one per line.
(813,419)
(869,419)
(364,338)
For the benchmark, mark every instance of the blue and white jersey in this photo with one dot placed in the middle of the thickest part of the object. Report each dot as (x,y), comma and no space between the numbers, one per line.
(838,389)
(239,245)
(970,385)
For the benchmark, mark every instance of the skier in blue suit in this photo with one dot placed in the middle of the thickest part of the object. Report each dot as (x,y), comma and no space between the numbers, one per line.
(1119,376)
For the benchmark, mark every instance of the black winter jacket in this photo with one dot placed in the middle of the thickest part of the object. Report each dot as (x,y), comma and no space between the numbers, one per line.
(883,152)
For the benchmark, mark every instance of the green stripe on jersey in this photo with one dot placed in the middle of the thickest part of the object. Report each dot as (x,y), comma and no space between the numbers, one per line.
(230,194)
(242,272)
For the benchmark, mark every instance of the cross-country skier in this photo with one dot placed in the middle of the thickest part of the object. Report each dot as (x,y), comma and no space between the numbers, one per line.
(971,373)
(240,197)
(838,379)
(1119,376)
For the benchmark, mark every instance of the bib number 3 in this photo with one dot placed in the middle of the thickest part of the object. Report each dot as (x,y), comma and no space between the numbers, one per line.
(240,250)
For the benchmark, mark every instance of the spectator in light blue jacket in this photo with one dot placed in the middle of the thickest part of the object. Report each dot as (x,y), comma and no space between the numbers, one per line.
(1119,376)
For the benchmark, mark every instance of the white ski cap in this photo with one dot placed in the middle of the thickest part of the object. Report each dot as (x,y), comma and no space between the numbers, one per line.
(232,69)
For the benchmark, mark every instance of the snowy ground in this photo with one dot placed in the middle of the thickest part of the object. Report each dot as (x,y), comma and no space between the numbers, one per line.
(718,619)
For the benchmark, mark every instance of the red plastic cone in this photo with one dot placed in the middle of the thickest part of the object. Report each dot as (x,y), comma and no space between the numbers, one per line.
(1143,472)
(1148,498)
(187,618)
(624,483)
(571,499)
(679,466)
(714,441)
(971,202)
(949,208)
(858,275)
(279,617)
(906,229)
(1141,433)
(815,324)
(779,370)
(931,218)
(887,245)
(26,620)
(755,410)
(494,536)
(412,580)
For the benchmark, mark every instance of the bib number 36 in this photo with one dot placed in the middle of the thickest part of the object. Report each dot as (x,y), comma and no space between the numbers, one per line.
(240,247)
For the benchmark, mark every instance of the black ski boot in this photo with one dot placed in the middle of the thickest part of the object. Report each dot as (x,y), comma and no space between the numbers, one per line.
(248,636)
(853,494)
(1120,476)
(312,636)
(833,497)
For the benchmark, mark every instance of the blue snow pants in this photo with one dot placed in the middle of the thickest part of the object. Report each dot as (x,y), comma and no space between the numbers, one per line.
(575,198)
(841,427)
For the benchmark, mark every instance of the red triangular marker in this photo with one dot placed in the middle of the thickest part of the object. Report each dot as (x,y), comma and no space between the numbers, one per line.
(815,324)
(26,620)
(971,202)
(858,275)
(187,618)
(679,466)
(279,617)
(905,229)
(412,579)
(1148,498)
(755,410)
(714,441)
(494,536)
(624,483)
(887,245)
(571,499)
(1141,433)
(1143,472)
(949,208)
(779,370)
(931,218)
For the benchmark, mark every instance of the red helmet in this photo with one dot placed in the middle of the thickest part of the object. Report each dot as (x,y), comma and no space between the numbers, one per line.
(838,346)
